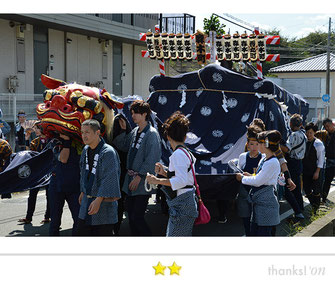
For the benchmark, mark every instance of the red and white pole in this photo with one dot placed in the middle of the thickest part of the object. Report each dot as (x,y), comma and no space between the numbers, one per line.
(162,67)
(161,62)
(259,64)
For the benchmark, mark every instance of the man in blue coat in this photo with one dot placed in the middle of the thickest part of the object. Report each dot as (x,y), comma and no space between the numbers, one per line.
(99,183)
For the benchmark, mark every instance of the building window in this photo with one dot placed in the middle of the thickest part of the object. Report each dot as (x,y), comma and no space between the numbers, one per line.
(104,66)
(117,18)
(20,56)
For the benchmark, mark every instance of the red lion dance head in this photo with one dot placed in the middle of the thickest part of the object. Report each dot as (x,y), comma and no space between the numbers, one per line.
(67,106)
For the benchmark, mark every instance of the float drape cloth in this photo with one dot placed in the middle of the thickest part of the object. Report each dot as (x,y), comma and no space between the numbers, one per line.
(221,104)
(27,170)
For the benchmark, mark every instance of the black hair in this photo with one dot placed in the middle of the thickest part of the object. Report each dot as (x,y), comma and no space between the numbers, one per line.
(312,126)
(38,125)
(21,112)
(271,138)
(326,120)
(92,123)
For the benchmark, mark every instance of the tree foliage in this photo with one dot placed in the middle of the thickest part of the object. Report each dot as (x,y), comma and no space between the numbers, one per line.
(213,24)
(294,49)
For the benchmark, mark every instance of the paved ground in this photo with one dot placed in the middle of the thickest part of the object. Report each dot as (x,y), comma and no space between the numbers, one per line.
(13,209)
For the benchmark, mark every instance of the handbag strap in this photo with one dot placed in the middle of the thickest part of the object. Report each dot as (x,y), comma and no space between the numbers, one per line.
(195,179)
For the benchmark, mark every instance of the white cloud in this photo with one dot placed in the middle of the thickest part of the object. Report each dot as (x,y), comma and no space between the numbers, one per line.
(322,17)
(306,30)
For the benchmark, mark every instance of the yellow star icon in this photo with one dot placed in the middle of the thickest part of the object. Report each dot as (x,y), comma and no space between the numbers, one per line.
(174,268)
(159,268)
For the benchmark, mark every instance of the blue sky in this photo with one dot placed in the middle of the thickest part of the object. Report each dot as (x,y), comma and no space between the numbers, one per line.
(295,18)
(291,25)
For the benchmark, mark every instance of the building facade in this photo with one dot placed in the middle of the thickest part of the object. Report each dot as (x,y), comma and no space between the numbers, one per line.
(101,50)
(308,78)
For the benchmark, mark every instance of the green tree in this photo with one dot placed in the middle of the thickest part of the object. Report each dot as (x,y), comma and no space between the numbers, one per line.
(213,24)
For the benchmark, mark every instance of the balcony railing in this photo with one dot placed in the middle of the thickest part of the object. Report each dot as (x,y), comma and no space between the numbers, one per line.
(184,23)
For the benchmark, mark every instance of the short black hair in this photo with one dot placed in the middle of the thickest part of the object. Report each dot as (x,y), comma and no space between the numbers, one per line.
(92,123)
(326,120)
(312,126)
(21,112)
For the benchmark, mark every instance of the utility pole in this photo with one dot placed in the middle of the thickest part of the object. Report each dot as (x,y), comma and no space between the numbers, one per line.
(328,65)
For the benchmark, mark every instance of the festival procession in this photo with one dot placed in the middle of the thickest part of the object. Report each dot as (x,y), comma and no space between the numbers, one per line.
(216,148)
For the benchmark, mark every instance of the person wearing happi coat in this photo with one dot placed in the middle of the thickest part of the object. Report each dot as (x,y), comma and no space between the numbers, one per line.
(263,193)
(178,179)
(248,162)
(99,183)
(143,145)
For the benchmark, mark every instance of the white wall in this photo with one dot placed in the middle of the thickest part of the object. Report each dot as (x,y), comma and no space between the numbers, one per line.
(8,58)
(145,69)
(127,61)
(321,75)
(84,60)
(56,49)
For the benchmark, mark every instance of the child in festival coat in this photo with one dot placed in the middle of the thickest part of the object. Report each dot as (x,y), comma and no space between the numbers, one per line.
(248,162)
(265,206)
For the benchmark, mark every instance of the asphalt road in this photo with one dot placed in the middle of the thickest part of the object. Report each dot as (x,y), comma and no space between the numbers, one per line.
(11,210)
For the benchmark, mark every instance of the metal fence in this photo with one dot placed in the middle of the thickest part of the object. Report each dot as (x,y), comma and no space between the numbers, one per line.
(11,104)
(178,24)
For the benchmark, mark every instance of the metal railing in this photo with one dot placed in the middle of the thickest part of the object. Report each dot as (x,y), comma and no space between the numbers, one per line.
(12,103)
(178,24)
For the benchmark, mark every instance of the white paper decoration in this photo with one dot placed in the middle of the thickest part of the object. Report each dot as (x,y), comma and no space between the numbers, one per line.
(158,46)
(245,48)
(236,47)
(228,47)
(150,45)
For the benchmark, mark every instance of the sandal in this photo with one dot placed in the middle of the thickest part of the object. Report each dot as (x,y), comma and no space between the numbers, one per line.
(46,220)
(24,220)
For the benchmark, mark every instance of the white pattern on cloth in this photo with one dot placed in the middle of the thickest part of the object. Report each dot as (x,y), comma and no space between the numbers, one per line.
(217,133)
(199,92)
(245,117)
(183,99)
(258,84)
(95,162)
(162,99)
(139,140)
(232,103)
(181,88)
(217,77)
(206,111)
(261,107)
